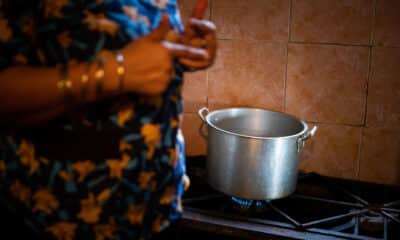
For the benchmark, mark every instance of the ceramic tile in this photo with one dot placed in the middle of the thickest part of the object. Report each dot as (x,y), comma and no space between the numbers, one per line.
(252,19)
(195,91)
(193,131)
(248,73)
(384,88)
(327,83)
(186,7)
(380,156)
(387,23)
(333,21)
(333,151)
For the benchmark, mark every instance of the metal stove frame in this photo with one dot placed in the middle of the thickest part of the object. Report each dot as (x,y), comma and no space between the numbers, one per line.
(251,228)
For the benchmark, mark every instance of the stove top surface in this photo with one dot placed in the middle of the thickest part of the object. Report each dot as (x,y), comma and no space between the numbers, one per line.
(321,208)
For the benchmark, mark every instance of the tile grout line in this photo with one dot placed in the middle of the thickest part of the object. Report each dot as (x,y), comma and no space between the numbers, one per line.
(369,75)
(373,20)
(290,19)
(359,157)
(309,43)
(207,88)
(211,11)
(369,63)
(331,44)
(287,59)
(285,79)
(335,124)
(208,71)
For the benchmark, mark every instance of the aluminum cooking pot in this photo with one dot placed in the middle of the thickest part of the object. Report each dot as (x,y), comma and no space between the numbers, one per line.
(254,153)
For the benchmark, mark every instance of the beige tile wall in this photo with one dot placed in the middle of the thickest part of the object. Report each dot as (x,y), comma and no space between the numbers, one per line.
(333,63)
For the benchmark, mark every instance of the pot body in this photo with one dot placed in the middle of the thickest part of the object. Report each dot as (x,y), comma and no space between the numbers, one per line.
(254,153)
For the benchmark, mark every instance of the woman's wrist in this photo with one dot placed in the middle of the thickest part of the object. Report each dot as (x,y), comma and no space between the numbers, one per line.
(114,78)
(86,79)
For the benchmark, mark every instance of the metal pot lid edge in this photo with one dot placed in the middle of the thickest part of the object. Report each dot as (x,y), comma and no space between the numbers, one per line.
(305,126)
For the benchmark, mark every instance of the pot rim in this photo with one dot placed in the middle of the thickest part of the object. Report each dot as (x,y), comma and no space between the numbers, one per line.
(210,114)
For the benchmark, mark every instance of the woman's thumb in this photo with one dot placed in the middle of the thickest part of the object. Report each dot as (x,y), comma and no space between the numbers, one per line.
(161,32)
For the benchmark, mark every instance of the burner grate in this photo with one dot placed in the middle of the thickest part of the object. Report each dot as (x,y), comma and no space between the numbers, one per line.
(320,208)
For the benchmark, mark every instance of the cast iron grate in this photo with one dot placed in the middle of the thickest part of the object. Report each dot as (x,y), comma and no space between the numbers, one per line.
(321,208)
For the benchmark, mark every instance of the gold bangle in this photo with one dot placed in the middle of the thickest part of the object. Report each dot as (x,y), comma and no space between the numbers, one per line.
(99,77)
(85,82)
(120,71)
(65,84)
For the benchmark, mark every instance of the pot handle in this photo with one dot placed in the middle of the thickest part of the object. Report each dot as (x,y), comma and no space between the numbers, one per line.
(201,113)
(301,140)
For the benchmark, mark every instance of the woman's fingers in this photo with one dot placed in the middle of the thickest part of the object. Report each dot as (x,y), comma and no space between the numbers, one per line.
(161,32)
(186,182)
(203,26)
(196,28)
(209,44)
(200,9)
(198,43)
(194,64)
(185,51)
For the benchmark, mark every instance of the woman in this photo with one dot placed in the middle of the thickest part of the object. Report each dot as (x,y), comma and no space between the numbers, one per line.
(90,104)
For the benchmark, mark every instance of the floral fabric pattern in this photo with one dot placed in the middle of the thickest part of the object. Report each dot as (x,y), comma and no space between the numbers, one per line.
(118,172)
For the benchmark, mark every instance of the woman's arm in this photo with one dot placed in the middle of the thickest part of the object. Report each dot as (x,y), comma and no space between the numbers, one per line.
(29,95)
(201,34)
(27,92)
(25,89)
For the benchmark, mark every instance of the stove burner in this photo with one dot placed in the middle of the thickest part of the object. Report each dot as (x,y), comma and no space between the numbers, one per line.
(321,208)
(247,203)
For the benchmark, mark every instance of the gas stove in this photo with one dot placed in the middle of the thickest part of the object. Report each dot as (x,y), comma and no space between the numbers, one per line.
(321,208)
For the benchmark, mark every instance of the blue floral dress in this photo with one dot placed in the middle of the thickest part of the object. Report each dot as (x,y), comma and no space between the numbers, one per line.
(116,171)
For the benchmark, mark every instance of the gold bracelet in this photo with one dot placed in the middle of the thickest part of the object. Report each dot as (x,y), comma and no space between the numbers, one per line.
(120,71)
(99,77)
(65,84)
(85,82)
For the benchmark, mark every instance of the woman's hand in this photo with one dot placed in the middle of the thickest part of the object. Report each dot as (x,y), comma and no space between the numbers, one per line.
(199,34)
(149,60)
